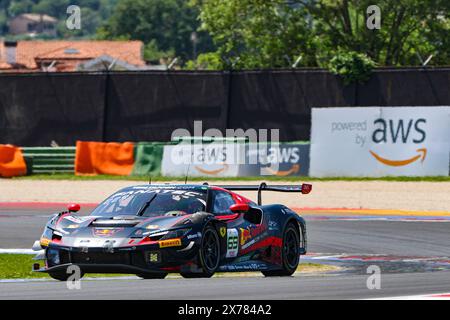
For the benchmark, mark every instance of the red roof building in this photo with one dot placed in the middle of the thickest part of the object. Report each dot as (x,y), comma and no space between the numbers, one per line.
(59,56)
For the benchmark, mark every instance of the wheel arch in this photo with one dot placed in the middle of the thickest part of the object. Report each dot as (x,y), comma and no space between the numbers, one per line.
(301,225)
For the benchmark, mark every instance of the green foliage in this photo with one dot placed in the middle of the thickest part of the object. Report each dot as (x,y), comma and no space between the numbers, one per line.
(248,34)
(257,33)
(408,28)
(352,66)
(168,23)
(206,61)
(154,54)
(263,33)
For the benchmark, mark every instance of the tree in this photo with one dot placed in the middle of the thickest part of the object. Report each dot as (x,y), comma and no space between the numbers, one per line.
(408,28)
(168,23)
(263,33)
(258,33)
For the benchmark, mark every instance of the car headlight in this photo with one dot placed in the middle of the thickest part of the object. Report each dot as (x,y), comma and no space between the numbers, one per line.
(178,233)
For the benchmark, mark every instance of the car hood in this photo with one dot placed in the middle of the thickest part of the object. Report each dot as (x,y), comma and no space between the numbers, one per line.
(95,231)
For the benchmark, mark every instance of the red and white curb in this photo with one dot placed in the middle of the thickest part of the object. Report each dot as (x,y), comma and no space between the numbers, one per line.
(434,296)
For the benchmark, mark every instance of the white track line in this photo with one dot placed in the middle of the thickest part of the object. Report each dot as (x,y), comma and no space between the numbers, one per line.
(18,251)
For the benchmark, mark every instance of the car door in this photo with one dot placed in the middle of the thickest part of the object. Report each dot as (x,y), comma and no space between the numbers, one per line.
(240,233)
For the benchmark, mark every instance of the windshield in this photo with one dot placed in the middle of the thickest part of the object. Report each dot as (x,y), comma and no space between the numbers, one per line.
(152,202)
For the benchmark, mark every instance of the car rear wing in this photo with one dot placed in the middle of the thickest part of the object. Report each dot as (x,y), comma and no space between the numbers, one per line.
(304,188)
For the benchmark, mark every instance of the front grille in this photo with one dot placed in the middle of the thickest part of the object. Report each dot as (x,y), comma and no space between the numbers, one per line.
(101,258)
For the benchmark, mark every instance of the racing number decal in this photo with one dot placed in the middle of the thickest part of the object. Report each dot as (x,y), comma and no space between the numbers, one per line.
(232,243)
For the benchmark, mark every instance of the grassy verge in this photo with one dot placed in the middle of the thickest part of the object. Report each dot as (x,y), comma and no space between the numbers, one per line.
(18,266)
(202,179)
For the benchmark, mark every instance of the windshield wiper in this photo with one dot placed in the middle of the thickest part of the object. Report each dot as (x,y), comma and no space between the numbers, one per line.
(145,206)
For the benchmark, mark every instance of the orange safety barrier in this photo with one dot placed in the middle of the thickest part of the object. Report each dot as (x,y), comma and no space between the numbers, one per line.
(113,158)
(12,162)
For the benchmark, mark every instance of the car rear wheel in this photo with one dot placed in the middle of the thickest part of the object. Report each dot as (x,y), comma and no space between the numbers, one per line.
(152,275)
(208,255)
(290,253)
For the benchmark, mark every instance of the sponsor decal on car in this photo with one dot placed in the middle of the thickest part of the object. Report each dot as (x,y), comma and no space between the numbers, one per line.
(85,243)
(232,243)
(273,225)
(245,235)
(170,243)
(246,266)
(105,232)
(223,231)
(194,236)
(250,232)
(254,240)
(154,257)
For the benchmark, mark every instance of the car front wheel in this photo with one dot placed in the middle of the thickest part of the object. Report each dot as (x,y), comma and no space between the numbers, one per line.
(208,255)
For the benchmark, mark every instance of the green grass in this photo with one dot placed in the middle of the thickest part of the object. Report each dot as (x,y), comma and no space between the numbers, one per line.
(18,266)
(202,179)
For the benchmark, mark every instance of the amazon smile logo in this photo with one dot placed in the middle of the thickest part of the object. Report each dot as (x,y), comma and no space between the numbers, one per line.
(422,153)
(213,172)
(283,173)
(400,132)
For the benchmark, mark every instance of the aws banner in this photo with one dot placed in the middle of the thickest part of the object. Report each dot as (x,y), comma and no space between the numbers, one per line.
(282,160)
(199,160)
(380,141)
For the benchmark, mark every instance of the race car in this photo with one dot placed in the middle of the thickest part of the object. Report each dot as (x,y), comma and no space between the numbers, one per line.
(195,230)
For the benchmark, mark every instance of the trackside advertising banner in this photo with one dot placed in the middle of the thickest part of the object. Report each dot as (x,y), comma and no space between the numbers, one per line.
(380,141)
(285,159)
(199,160)
(235,159)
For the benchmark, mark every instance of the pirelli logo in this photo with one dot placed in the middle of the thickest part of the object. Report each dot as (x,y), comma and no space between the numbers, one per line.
(170,243)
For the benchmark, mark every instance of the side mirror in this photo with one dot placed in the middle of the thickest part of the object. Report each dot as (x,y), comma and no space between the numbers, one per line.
(239,207)
(73,207)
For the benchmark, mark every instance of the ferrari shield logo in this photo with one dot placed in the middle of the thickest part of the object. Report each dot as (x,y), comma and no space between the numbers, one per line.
(223,231)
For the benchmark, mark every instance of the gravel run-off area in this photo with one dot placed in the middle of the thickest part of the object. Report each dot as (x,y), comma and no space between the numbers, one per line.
(410,196)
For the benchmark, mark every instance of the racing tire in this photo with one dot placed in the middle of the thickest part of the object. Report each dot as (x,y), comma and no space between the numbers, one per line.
(152,275)
(208,255)
(290,253)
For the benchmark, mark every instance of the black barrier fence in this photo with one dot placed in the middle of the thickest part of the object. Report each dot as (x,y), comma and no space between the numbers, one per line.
(38,108)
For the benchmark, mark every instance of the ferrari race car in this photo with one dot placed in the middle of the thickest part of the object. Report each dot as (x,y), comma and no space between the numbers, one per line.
(194,230)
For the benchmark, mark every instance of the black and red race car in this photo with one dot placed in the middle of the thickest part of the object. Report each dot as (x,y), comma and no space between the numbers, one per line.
(194,230)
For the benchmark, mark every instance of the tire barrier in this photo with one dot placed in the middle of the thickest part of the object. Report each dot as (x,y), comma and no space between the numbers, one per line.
(112,158)
(12,162)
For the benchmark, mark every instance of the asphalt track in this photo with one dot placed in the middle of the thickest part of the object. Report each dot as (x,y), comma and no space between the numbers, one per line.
(410,253)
